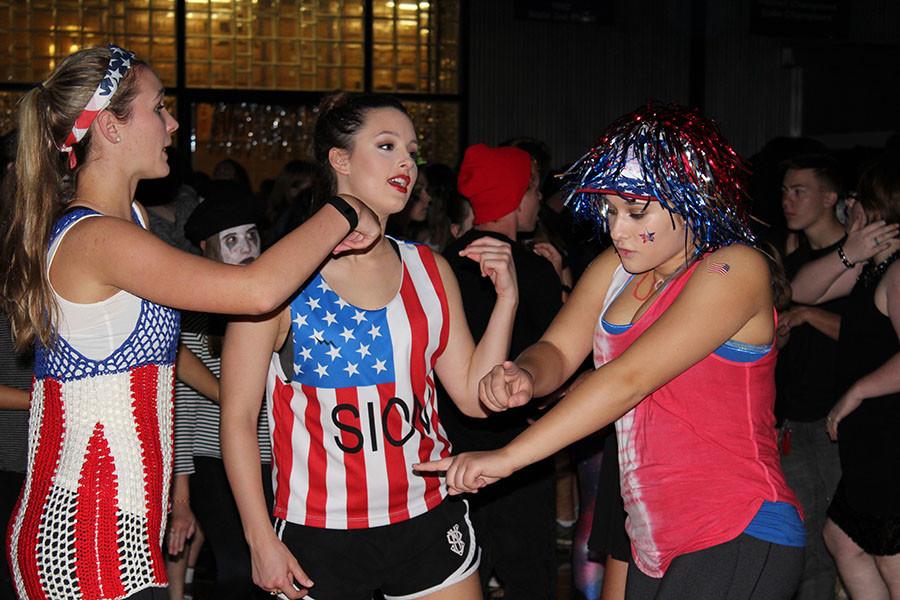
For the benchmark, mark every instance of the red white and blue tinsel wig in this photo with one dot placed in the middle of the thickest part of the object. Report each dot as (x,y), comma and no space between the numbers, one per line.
(673,155)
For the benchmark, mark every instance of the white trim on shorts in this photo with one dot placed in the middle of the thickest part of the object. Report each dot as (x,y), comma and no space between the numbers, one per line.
(469,565)
(467,568)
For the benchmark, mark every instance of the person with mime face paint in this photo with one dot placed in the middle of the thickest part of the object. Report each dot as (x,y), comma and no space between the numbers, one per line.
(225,228)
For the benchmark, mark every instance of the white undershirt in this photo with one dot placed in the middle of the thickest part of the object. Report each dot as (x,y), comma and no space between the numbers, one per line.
(98,329)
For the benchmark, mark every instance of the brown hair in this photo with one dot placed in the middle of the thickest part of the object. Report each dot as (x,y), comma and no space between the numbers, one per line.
(341,115)
(879,188)
(41,185)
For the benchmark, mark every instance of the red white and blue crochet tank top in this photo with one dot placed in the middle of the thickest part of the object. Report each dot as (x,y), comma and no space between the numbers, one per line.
(90,520)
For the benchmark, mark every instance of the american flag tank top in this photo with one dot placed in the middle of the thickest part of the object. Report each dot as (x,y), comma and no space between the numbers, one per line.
(359,406)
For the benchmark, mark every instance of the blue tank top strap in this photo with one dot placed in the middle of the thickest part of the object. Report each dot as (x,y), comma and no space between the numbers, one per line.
(778,523)
(70,217)
(614,328)
(742,351)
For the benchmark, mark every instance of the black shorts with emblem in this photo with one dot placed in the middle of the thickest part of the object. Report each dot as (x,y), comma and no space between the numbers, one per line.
(405,560)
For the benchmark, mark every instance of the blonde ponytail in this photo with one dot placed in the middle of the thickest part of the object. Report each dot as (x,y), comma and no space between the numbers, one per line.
(35,193)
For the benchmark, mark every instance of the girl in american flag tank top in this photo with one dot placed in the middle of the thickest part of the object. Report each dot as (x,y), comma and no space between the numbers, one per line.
(679,317)
(348,366)
(96,293)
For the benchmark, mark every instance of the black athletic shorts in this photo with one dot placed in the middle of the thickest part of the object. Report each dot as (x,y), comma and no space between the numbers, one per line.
(746,568)
(404,561)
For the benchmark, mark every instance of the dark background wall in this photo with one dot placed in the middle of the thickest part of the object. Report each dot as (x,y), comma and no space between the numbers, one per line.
(837,79)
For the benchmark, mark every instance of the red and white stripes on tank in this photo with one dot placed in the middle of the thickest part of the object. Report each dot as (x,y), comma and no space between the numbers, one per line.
(360,406)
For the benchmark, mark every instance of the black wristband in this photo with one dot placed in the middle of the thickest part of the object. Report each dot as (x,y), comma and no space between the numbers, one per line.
(345,209)
(847,262)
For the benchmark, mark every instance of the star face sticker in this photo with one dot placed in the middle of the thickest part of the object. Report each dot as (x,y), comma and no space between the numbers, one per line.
(306,353)
(334,352)
(313,303)
(347,334)
(363,350)
(648,236)
(330,318)
(379,366)
(321,370)
(300,320)
(375,331)
(359,316)
(351,369)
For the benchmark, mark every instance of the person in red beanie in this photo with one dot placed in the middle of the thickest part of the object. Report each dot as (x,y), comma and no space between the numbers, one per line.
(502,186)
(495,181)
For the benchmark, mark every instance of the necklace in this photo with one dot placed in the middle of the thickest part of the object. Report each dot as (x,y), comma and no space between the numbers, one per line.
(640,296)
(871,273)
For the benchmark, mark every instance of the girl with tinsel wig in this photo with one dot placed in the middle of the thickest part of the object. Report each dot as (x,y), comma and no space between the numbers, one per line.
(679,316)
(94,291)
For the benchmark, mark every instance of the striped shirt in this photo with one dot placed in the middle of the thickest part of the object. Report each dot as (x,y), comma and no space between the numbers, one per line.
(196,417)
(359,407)
(15,371)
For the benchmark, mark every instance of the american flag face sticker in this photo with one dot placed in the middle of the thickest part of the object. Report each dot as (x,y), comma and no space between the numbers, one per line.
(717,267)
(648,236)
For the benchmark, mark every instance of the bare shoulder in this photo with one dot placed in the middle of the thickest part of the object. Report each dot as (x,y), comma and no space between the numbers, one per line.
(735,274)
(601,269)
(890,281)
(892,275)
(104,234)
(107,225)
(439,259)
(736,261)
(443,266)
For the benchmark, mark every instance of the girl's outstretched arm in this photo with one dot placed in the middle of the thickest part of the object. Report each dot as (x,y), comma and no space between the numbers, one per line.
(548,363)
(713,307)
(117,254)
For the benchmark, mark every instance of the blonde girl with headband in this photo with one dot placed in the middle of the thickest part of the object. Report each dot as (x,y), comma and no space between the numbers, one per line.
(95,293)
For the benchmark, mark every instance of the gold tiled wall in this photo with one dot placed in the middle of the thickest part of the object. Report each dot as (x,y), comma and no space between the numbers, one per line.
(291,45)
(275,44)
(35,34)
(413,47)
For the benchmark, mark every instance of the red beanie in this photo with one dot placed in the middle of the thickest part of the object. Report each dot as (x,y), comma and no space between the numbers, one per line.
(494,180)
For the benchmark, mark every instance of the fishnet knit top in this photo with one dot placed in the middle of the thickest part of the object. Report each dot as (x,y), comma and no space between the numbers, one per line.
(90,520)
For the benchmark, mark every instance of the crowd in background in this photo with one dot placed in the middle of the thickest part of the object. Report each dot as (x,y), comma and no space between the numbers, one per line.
(834,331)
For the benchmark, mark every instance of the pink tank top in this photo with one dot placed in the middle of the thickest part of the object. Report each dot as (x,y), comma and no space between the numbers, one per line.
(698,456)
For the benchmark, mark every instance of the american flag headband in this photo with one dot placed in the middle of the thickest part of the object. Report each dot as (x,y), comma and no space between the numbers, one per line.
(119,63)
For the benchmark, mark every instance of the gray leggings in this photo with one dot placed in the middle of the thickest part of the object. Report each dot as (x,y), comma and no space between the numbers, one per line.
(746,568)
